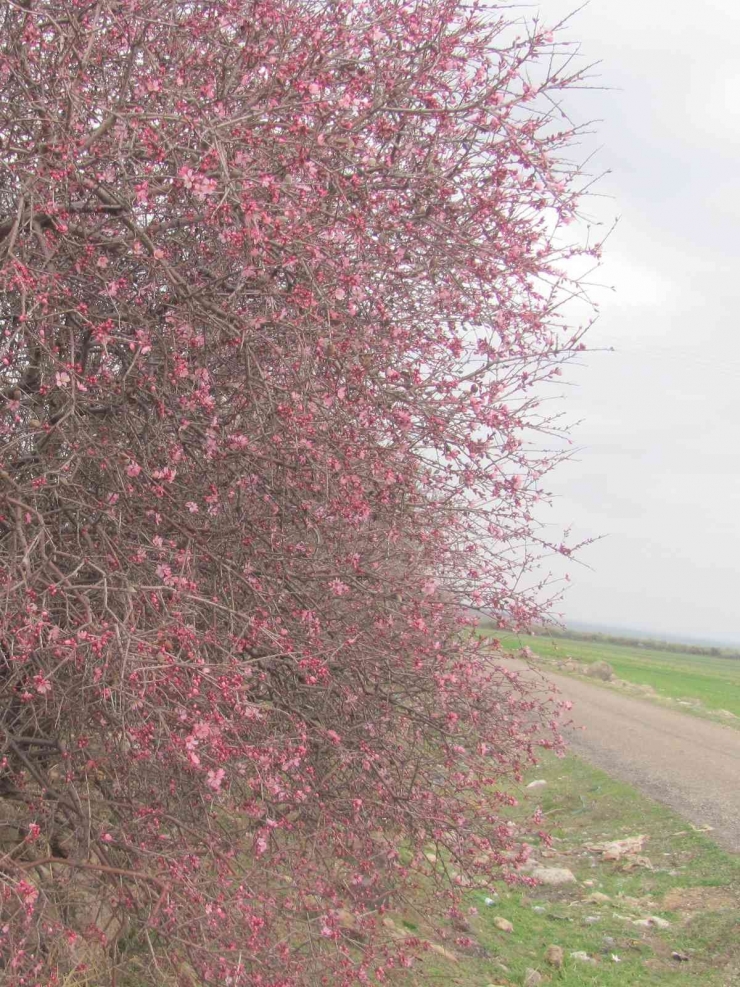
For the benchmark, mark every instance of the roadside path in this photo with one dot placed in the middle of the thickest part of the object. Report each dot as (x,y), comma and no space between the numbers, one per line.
(689,764)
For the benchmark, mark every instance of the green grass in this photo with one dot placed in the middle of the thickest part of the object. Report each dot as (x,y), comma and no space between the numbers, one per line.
(692,884)
(715,682)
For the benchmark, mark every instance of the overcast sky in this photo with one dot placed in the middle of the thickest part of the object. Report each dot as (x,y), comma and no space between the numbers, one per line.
(658,471)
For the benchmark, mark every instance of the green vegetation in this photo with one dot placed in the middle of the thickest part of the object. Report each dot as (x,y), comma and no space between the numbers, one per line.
(713,681)
(680,876)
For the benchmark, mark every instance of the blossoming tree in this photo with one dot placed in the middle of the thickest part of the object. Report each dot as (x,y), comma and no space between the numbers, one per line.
(281,283)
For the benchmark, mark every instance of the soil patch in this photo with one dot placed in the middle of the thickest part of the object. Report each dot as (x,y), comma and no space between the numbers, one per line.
(699,900)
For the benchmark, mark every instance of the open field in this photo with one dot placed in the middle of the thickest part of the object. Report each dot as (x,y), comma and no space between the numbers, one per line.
(714,682)
(680,877)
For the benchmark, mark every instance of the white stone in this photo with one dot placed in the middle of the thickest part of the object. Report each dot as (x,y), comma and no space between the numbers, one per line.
(652,922)
(582,957)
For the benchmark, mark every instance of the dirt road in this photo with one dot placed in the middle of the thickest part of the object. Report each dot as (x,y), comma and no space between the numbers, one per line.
(689,764)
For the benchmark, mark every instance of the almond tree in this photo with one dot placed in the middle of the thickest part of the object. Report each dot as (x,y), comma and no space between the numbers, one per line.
(281,284)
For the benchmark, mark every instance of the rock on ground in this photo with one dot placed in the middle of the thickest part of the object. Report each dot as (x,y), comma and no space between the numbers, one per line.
(652,922)
(445,953)
(582,957)
(532,978)
(553,875)
(616,849)
(554,956)
(600,670)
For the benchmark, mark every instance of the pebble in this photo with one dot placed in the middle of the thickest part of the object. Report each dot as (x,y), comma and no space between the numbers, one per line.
(503,924)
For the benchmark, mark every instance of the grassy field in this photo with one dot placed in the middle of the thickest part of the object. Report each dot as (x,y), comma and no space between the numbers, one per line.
(715,682)
(680,877)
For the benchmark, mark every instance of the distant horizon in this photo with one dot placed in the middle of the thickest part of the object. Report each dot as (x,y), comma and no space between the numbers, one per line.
(708,640)
(636,633)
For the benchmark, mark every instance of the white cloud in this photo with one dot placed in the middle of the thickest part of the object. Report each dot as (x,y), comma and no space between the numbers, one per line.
(658,461)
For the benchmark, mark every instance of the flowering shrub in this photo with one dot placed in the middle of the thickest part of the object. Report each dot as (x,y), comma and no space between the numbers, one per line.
(280,282)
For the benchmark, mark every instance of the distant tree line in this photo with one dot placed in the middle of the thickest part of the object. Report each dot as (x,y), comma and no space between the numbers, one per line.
(626,641)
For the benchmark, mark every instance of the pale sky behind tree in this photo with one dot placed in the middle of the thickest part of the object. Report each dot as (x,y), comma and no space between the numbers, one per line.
(658,467)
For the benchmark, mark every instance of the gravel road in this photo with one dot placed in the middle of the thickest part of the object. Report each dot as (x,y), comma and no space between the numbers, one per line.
(689,764)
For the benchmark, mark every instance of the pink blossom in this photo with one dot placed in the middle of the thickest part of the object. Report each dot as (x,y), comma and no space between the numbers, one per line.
(43,685)
(168,474)
(29,894)
(214,779)
(187,176)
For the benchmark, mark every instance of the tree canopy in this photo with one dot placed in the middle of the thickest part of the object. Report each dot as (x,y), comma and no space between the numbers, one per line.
(281,282)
